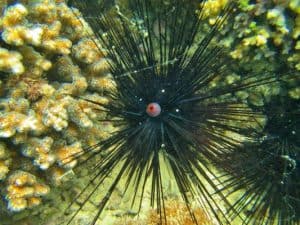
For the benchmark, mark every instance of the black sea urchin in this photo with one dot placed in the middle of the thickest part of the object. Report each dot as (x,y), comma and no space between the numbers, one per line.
(172,109)
(269,171)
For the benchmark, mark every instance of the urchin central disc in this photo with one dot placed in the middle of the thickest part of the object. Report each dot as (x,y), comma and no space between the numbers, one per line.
(153,109)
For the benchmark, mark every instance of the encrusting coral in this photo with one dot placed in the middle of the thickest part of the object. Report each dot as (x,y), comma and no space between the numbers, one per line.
(212,9)
(264,38)
(267,27)
(24,191)
(10,61)
(47,59)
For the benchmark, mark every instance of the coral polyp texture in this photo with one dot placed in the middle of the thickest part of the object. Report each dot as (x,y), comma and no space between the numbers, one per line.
(267,29)
(47,60)
(11,61)
(24,191)
(264,38)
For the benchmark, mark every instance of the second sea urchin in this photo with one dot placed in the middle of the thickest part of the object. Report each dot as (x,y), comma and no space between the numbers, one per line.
(269,170)
(172,108)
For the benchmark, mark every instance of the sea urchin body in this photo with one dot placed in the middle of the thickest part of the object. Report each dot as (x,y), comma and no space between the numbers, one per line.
(170,108)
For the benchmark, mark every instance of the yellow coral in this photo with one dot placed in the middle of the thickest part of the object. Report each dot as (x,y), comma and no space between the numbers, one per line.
(295,6)
(101,83)
(37,63)
(99,67)
(79,115)
(277,18)
(24,191)
(86,51)
(40,115)
(9,123)
(51,31)
(55,115)
(295,93)
(20,35)
(212,9)
(296,31)
(295,58)
(10,61)
(58,45)
(66,155)
(14,15)
(17,32)
(258,40)
(4,161)
(71,18)
(44,10)
(40,150)
(277,28)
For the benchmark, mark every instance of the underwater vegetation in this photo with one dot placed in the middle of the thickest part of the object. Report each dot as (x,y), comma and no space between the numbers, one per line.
(155,112)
